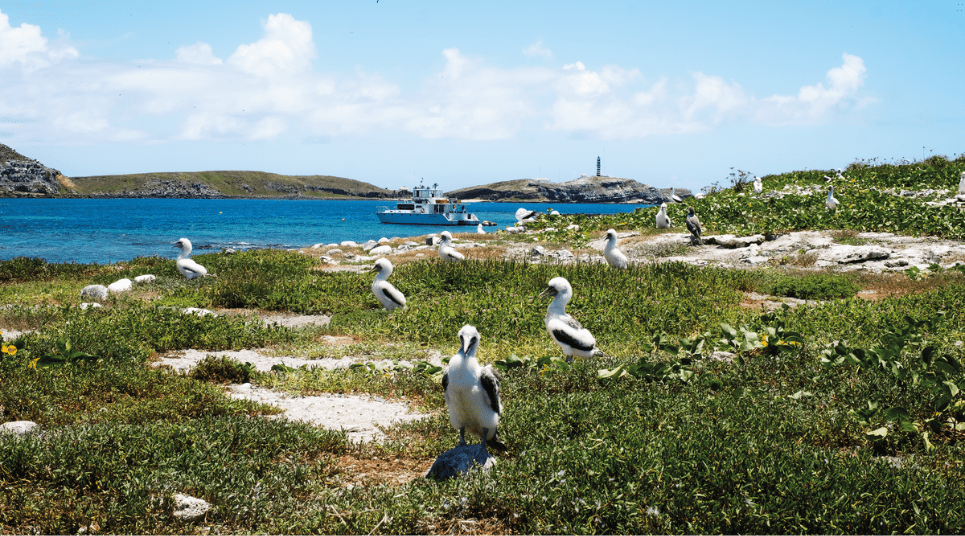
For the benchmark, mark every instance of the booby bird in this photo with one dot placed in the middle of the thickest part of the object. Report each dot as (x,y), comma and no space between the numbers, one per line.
(186,266)
(614,257)
(758,185)
(693,225)
(472,393)
(480,230)
(388,295)
(961,185)
(565,331)
(446,251)
(676,198)
(525,215)
(663,221)
(831,202)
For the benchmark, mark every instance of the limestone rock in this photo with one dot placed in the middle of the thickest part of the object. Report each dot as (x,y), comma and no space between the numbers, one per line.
(89,305)
(121,285)
(538,251)
(94,292)
(188,508)
(732,242)
(144,279)
(19,428)
(843,254)
(381,250)
(461,460)
(582,190)
(369,245)
(349,244)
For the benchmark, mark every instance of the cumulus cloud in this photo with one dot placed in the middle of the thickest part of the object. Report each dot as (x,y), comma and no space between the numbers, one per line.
(287,47)
(269,87)
(27,45)
(815,102)
(537,50)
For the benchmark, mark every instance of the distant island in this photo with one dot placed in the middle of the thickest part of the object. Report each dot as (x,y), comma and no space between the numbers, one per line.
(21,176)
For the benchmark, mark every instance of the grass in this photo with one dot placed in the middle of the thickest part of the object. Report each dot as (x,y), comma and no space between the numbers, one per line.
(845,416)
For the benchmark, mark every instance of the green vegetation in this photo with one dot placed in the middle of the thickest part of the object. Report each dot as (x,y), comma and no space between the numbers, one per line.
(845,416)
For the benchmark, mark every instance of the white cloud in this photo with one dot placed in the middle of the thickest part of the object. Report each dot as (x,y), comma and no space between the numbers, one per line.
(268,88)
(813,103)
(198,54)
(27,45)
(537,49)
(286,47)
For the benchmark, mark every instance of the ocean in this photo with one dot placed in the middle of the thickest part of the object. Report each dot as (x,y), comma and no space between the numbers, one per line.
(106,231)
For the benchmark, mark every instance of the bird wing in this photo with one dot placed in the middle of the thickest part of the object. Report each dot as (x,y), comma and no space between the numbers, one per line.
(450,253)
(490,384)
(393,294)
(187,265)
(445,382)
(571,333)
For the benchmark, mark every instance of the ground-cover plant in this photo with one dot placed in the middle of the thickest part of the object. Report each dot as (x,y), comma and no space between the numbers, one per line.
(813,287)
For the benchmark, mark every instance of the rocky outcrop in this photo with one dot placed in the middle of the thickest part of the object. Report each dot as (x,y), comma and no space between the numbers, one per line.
(25,177)
(168,189)
(582,190)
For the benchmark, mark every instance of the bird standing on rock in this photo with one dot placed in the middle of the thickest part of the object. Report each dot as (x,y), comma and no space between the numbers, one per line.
(388,295)
(472,393)
(186,266)
(693,225)
(446,251)
(663,221)
(565,331)
(614,257)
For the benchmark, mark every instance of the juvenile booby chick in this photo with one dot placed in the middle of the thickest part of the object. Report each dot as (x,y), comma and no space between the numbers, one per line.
(758,185)
(446,251)
(565,331)
(472,393)
(186,266)
(693,225)
(388,295)
(831,202)
(663,221)
(614,257)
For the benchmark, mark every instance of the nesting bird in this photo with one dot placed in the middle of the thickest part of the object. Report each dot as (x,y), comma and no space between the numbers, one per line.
(663,221)
(565,331)
(673,195)
(693,225)
(472,393)
(524,215)
(961,185)
(831,202)
(480,230)
(614,257)
(388,295)
(446,251)
(758,185)
(187,267)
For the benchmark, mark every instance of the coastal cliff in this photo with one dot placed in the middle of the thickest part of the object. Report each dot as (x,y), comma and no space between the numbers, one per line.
(582,190)
(25,177)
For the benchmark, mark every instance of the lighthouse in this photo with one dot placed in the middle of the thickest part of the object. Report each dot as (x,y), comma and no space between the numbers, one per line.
(598,166)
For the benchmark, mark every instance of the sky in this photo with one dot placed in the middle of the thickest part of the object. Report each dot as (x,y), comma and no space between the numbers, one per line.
(467,93)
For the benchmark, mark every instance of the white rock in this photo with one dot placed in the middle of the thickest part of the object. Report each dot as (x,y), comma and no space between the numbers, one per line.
(843,254)
(143,279)
(317,246)
(334,252)
(197,311)
(121,285)
(96,292)
(383,240)
(381,250)
(572,227)
(349,244)
(731,241)
(87,305)
(18,427)
(188,508)
(516,230)
(369,245)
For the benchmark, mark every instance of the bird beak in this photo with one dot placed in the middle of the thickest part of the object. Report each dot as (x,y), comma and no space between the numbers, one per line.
(550,291)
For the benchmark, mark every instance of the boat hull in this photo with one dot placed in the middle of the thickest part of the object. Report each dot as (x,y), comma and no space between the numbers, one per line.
(403,218)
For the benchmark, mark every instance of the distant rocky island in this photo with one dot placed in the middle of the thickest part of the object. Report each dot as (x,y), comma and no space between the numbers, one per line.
(21,176)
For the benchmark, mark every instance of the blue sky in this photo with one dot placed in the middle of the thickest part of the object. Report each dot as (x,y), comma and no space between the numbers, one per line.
(459,93)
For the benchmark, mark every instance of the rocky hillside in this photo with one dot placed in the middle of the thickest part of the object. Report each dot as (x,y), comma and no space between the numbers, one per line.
(25,177)
(582,190)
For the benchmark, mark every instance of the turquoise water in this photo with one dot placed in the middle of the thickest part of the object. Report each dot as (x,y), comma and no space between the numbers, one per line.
(111,230)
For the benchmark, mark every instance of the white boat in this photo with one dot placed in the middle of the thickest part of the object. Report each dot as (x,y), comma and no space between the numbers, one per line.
(429,206)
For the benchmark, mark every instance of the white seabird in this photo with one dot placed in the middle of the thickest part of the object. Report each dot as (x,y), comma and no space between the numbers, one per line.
(472,393)
(614,257)
(961,185)
(480,230)
(186,266)
(446,251)
(831,202)
(565,331)
(693,225)
(524,215)
(676,198)
(663,221)
(758,185)
(388,295)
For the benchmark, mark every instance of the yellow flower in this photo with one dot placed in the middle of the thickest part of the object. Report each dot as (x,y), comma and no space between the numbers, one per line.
(11,350)
(3,349)
(33,363)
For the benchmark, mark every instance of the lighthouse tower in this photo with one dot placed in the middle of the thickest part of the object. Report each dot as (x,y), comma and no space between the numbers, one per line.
(598,166)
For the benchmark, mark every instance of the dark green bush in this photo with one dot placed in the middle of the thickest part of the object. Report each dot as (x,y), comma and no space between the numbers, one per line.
(222,369)
(814,287)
